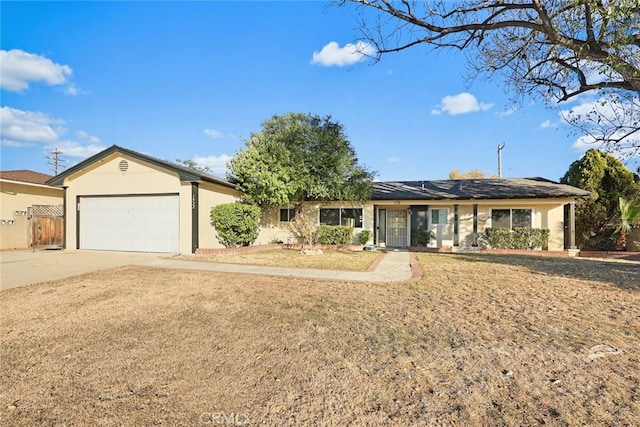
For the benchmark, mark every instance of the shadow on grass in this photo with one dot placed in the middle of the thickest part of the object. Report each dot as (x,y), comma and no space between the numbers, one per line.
(625,275)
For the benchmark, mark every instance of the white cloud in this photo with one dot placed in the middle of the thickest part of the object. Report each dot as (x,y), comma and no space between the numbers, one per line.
(546,124)
(217,164)
(80,134)
(19,68)
(393,160)
(332,54)
(214,133)
(27,128)
(508,112)
(75,149)
(22,128)
(461,103)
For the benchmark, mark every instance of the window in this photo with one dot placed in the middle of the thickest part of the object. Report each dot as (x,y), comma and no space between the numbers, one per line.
(287,215)
(439,216)
(511,218)
(351,217)
(341,216)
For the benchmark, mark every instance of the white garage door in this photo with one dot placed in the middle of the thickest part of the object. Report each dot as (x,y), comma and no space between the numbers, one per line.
(130,223)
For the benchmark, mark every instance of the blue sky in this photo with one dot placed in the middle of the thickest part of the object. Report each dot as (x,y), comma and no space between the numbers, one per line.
(193,80)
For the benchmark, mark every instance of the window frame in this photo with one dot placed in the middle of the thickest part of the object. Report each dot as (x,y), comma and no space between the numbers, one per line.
(291,214)
(511,226)
(446,217)
(358,223)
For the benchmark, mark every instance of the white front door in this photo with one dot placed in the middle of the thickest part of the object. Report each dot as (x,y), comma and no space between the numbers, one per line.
(397,228)
(438,223)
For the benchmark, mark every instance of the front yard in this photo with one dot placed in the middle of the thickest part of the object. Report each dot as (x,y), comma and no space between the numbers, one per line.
(479,340)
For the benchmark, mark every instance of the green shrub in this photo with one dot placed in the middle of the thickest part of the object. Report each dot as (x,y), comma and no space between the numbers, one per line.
(364,236)
(420,236)
(518,238)
(334,235)
(236,224)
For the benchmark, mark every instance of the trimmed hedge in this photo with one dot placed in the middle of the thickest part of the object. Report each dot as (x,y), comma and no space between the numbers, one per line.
(334,235)
(518,238)
(420,236)
(364,236)
(237,224)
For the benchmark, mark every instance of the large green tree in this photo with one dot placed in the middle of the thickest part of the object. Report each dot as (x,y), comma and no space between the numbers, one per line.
(298,157)
(608,180)
(558,49)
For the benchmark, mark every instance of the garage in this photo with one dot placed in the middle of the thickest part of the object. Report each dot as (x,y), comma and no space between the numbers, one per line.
(137,223)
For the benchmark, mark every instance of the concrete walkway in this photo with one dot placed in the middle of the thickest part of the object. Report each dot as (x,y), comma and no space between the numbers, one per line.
(395,266)
(20,268)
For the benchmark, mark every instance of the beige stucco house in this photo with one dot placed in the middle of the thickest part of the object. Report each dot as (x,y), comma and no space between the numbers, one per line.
(123,200)
(20,190)
(457,211)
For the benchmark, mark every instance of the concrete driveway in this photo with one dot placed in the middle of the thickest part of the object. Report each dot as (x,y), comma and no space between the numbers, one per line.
(21,268)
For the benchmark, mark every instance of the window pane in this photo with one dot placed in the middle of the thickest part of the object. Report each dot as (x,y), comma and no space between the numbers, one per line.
(521,217)
(439,216)
(284,215)
(352,218)
(435,217)
(330,216)
(500,218)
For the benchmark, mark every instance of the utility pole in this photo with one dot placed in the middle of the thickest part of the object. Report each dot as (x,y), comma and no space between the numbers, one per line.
(55,161)
(500,147)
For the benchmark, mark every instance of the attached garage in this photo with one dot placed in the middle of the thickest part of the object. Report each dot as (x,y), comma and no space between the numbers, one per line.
(149,223)
(122,200)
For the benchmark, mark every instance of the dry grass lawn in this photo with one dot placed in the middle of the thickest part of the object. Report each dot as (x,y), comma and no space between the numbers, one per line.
(479,340)
(328,260)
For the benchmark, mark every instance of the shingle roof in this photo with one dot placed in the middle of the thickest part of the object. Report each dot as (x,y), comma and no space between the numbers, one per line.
(184,173)
(25,176)
(461,189)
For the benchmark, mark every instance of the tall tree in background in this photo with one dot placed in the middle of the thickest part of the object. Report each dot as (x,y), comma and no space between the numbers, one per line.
(608,180)
(194,166)
(472,174)
(558,49)
(299,157)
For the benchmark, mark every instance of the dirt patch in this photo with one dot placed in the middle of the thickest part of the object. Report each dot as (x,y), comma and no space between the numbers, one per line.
(472,343)
(325,259)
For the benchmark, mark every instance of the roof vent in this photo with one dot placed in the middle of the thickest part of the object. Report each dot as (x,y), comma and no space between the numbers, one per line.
(123,165)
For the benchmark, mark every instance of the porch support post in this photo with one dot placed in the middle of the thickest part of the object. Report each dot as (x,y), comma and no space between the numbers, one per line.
(195,209)
(572,225)
(456,231)
(475,225)
(64,218)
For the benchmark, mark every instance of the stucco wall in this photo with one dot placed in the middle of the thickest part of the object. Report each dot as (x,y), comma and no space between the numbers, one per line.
(15,234)
(547,213)
(15,199)
(141,178)
(274,229)
(209,196)
(18,197)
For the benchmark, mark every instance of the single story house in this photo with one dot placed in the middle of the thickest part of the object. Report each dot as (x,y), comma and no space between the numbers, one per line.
(20,191)
(456,211)
(120,199)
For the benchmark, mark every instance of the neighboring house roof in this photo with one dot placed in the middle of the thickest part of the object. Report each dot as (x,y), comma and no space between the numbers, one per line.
(184,173)
(469,189)
(24,175)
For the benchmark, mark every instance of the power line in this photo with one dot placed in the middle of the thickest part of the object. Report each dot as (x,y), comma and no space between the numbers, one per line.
(55,162)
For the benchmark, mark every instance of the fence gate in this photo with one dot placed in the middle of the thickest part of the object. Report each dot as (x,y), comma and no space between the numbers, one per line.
(46,226)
